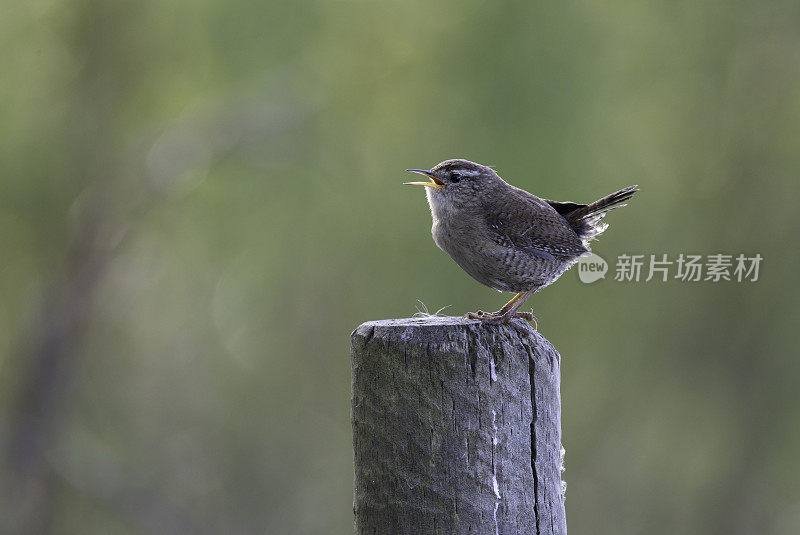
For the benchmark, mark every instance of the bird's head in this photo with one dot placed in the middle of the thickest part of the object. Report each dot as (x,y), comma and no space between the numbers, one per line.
(457,183)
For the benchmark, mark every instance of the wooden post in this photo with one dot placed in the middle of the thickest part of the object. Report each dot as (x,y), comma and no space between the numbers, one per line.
(456,429)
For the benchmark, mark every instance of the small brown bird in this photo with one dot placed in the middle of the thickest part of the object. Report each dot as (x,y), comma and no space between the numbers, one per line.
(505,237)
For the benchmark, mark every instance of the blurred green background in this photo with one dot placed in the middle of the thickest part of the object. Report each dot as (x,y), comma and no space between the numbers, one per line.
(200,200)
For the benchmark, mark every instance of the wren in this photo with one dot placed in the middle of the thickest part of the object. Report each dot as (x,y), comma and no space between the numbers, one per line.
(505,237)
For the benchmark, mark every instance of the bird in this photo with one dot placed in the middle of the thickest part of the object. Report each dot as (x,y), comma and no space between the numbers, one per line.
(506,238)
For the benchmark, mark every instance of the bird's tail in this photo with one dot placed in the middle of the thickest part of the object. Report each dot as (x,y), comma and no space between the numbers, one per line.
(587,220)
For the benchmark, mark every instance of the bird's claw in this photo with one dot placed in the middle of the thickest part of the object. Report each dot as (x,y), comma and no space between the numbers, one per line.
(494,318)
(528,316)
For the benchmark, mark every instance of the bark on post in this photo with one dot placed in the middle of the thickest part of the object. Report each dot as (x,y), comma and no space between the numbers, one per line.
(456,429)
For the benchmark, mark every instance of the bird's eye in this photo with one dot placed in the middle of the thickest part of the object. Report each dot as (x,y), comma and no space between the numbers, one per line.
(455,177)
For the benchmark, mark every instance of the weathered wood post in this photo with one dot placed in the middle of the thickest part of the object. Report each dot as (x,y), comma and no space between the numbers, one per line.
(456,429)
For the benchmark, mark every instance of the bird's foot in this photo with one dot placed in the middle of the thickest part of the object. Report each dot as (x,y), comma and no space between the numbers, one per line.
(479,315)
(496,318)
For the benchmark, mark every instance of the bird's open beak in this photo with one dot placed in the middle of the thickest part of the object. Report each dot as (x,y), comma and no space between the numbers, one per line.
(435,182)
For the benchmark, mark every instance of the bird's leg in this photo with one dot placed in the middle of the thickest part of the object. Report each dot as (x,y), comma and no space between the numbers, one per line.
(507,311)
(480,314)
(508,306)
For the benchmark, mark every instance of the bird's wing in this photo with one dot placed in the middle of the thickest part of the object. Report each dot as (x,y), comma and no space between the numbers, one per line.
(565,207)
(526,222)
